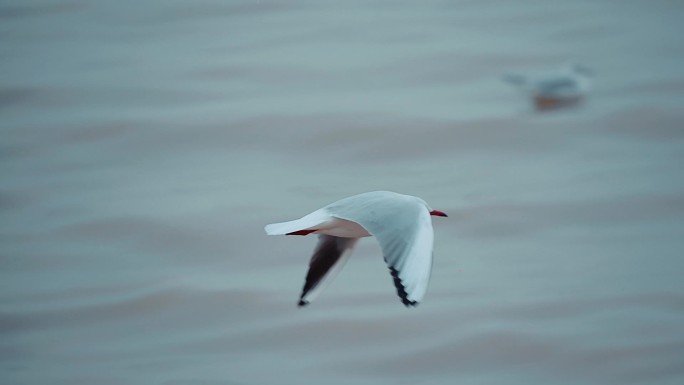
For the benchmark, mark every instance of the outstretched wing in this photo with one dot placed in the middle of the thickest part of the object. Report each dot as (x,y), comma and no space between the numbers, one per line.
(403,227)
(408,255)
(330,255)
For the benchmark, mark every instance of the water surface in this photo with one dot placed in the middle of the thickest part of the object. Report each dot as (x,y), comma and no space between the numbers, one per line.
(146,144)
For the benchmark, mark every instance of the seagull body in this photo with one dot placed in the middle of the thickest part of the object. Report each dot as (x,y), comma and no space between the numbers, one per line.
(564,87)
(400,223)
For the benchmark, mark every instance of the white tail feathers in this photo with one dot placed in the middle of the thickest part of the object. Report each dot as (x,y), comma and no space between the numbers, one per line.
(281,228)
(307,222)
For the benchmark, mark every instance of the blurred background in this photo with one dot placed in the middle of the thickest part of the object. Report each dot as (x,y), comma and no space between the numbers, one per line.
(145,144)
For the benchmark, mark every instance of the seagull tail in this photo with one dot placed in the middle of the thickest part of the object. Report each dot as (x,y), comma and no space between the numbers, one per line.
(305,223)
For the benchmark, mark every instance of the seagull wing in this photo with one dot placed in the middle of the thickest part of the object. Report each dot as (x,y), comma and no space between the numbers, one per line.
(330,255)
(408,255)
(403,228)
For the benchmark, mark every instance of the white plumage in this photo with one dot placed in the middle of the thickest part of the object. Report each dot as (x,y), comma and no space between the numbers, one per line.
(564,87)
(400,223)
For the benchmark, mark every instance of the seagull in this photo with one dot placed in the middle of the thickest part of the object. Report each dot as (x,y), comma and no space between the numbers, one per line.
(562,88)
(401,224)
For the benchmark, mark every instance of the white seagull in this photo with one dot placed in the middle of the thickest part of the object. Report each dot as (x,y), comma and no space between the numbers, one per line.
(400,223)
(565,87)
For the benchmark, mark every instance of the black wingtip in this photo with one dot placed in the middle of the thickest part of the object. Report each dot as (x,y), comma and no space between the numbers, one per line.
(401,290)
(409,304)
(302,303)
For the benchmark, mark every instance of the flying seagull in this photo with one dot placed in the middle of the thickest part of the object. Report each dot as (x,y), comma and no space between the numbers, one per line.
(562,88)
(400,223)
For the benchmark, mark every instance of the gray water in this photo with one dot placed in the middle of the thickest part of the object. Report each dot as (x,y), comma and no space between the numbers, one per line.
(145,145)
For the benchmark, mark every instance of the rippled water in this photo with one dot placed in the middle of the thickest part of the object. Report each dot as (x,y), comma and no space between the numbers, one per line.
(145,144)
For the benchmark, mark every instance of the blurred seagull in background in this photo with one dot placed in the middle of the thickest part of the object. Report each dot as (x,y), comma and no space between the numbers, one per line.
(561,88)
(400,223)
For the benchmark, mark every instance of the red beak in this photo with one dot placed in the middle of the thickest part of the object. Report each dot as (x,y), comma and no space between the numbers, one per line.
(438,213)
